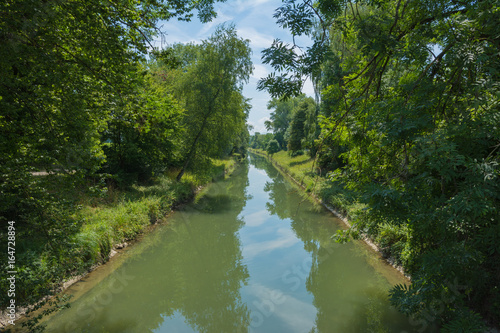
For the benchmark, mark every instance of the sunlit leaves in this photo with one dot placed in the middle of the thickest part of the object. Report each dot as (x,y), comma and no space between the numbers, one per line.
(209,85)
(281,85)
(70,72)
(297,17)
(280,56)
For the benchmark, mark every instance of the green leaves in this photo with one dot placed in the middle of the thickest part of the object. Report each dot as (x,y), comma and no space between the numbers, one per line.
(72,88)
(272,147)
(297,17)
(209,86)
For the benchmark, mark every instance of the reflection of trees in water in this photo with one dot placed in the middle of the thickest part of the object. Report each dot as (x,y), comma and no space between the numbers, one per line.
(195,269)
(344,301)
(211,300)
(281,200)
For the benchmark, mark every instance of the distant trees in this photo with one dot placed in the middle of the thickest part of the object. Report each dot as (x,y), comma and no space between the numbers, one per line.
(260,141)
(302,130)
(280,118)
(273,147)
(293,122)
(296,129)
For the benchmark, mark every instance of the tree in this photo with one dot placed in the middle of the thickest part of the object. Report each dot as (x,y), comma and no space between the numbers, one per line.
(143,137)
(311,128)
(280,117)
(302,129)
(273,147)
(210,89)
(67,68)
(296,132)
(260,141)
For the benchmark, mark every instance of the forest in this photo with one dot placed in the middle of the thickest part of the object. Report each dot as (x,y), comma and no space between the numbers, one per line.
(404,131)
(97,124)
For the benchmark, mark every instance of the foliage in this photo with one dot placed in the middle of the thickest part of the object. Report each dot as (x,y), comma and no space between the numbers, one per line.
(296,130)
(303,131)
(143,137)
(410,125)
(273,147)
(281,117)
(209,86)
(302,127)
(260,141)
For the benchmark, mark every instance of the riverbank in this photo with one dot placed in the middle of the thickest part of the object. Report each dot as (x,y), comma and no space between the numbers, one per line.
(338,200)
(108,222)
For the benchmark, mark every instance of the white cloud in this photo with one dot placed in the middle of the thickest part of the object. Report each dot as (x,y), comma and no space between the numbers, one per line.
(259,71)
(257,39)
(308,88)
(208,27)
(259,126)
(244,5)
(257,218)
(264,119)
(285,238)
(298,315)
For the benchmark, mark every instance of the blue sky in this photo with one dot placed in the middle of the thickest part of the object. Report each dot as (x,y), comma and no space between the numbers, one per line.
(254,21)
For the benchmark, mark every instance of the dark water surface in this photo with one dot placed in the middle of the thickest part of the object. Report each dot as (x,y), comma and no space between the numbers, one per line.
(251,255)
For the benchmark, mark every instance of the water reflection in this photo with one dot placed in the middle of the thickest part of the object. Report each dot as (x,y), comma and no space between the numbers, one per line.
(348,295)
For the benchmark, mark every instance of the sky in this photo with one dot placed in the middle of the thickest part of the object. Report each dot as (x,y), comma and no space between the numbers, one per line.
(254,21)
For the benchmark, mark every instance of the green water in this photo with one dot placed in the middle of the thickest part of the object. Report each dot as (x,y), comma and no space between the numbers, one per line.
(251,255)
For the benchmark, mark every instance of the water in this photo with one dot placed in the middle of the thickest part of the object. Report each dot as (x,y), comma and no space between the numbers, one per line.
(251,255)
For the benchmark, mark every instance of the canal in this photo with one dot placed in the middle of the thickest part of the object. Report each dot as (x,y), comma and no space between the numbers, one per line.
(249,255)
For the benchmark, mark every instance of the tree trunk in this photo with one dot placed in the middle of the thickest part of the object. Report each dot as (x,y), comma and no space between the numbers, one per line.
(193,146)
(192,149)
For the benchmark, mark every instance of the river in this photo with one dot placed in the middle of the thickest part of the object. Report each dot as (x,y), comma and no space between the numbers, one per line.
(249,255)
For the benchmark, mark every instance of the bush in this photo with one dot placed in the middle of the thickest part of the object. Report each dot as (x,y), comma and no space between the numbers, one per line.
(273,147)
(296,153)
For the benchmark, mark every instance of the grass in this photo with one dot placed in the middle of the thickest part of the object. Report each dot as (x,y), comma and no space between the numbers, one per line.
(331,193)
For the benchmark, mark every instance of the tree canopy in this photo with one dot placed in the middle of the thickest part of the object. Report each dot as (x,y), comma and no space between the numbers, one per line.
(86,104)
